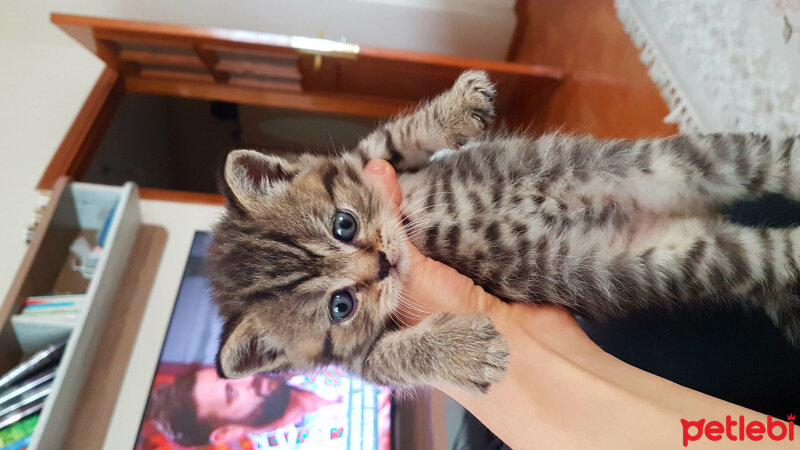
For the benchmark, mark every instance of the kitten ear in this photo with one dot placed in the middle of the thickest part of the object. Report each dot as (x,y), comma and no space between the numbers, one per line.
(250,177)
(243,350)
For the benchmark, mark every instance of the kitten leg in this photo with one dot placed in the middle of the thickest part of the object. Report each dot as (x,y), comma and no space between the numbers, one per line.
(686,261)
(448,121)
(784,310)
(462,350)
(677,174)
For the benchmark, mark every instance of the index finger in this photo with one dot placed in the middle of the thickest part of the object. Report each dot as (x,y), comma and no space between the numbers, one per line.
(381,174)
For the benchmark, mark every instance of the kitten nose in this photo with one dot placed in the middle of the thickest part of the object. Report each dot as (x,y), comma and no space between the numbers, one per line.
(383,266)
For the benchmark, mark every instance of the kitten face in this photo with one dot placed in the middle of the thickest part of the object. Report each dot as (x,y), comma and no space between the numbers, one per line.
(307,264)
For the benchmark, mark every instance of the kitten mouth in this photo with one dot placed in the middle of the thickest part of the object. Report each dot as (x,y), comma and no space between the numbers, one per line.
(384,266)
(386,271)
(392,270)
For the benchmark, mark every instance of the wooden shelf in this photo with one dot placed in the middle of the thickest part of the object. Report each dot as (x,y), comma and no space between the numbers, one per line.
(75,209)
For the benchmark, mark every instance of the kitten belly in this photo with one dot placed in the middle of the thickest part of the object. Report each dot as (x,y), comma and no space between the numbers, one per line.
(524,246)
(495,220)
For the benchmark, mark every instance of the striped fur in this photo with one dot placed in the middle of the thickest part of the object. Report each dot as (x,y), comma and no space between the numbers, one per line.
(599,227)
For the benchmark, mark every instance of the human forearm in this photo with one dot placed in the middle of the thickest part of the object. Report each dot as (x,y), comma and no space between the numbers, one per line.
(562,391)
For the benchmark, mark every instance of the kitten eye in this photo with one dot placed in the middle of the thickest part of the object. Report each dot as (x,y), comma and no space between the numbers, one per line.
(342,305)
(344,226)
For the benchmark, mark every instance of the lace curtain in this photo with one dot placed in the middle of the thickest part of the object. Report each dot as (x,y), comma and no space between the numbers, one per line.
(731,65)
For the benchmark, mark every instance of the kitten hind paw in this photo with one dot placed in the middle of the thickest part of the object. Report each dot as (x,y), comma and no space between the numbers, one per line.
(784,310)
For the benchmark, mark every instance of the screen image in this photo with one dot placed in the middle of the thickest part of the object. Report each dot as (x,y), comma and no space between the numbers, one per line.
(189,406)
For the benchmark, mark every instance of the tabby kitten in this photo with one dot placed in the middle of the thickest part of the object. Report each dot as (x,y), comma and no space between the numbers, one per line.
(308,264)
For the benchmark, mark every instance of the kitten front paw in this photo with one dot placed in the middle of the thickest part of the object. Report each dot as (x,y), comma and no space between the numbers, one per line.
(473,96)
(480,353)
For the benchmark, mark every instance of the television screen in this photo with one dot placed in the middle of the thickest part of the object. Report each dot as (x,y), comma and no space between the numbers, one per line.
(189,406)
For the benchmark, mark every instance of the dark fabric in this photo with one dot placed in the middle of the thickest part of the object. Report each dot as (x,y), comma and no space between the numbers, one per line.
(732,354)
(729,353)
(472,435)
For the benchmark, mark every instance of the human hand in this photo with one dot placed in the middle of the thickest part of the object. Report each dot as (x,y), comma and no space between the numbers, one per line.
(436,287)
(560,389)
(529,330)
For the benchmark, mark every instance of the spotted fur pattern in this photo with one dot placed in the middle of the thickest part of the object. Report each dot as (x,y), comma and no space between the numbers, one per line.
(599,227)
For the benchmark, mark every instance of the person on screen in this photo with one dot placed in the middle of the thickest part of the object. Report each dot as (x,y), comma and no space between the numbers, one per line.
(199,408)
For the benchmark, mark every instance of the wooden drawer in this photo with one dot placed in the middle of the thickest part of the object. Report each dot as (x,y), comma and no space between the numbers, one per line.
(74,209)
(269,76)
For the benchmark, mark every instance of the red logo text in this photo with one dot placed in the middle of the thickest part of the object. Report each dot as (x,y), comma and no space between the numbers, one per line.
(738,430)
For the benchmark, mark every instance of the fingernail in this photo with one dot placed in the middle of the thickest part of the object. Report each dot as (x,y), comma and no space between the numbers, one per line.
(376,167)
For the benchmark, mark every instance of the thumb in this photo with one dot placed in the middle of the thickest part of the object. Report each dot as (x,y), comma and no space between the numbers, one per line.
(439,287)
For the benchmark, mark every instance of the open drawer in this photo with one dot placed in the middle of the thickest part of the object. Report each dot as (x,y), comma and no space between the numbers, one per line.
(247,89)
(75,211)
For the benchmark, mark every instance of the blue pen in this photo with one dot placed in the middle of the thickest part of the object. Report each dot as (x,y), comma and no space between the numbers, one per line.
(49,305)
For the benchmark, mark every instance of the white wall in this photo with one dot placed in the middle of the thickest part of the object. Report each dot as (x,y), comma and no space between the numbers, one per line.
(475,28)
(45,76)
(35,113)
